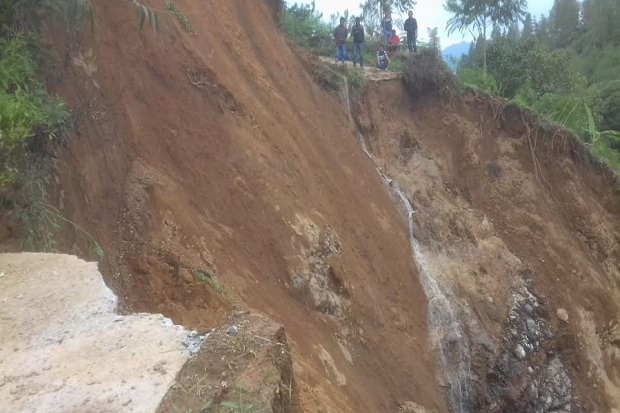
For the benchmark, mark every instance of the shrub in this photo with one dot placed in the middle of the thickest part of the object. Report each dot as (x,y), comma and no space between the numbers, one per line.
(426,72)
(610,95)
(29,117)
(477,79)
(355,78)
(304,26)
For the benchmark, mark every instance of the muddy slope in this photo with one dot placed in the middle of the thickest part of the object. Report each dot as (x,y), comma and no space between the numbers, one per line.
(523,230)
(212,156)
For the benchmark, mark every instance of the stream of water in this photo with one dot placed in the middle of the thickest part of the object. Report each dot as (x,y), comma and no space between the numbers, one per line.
(444,325)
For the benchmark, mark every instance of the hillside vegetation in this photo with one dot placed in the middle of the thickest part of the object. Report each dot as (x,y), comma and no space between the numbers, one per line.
(564,66)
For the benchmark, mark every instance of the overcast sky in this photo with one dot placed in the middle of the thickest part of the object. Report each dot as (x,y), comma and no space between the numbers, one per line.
(429,13)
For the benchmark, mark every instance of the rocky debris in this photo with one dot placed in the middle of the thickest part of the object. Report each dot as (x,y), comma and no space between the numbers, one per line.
(411,407)
(526,378)
(64,348)
(562,315)
(194,341)
(314,277)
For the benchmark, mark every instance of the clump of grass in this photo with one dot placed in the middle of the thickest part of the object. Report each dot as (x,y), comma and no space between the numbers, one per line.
(243,402)
(355,78)
(203,277)
(181,18)
(329,78)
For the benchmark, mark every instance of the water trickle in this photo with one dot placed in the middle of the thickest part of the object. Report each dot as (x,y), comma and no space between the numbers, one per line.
(444,325)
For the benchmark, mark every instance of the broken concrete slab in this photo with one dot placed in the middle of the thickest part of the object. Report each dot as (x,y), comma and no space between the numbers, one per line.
(63,347)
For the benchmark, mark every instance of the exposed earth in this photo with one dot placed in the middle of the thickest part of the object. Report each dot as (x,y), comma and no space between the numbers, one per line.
(220,178)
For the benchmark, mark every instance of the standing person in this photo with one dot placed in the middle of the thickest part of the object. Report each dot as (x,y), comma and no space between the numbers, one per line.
(340,36)
(358,42)
(383,60)
(411,27)
(386,25)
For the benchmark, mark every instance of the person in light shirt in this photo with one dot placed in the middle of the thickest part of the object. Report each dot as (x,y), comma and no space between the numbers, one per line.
(383,60)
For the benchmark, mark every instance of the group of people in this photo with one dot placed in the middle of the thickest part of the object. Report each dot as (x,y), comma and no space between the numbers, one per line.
(390,40)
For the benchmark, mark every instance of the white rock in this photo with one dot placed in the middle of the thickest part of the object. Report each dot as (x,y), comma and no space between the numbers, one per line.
(562,315)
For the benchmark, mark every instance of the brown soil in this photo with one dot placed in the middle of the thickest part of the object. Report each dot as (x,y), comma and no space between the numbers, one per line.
(499,194)
(220,154)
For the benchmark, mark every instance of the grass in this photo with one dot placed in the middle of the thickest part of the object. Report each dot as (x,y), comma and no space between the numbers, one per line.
(355,78)
(181,18)
(203,277)
(242,403)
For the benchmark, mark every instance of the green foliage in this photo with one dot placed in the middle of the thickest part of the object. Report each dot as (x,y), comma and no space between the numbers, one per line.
(529,61)
(355,78)
(28,115)
(181,17)
(38,222)
(18,16)
(573,113)
(203,277)
(244,402)
(564,19)
(329,78)
(476,16)
(27,15)
(477,79)
(610,107)
(304,26)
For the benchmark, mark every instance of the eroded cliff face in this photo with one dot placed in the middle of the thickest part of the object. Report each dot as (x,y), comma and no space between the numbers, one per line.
(217,175)
(522,230)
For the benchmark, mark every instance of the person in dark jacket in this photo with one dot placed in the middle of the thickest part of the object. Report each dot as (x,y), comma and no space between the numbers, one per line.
(340,36)
(411,27)
(386,25)
(358,42)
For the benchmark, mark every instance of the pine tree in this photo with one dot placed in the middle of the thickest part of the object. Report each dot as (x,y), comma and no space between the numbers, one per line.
(528,28)
(563,22)
(543,31)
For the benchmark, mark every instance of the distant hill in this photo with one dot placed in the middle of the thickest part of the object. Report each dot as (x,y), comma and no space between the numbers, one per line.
(456,50)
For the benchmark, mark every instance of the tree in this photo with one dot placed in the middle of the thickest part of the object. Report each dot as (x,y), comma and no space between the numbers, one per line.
(479,15)
(528,28)
(434,40)
(372,12)
(563,21)
(543,32)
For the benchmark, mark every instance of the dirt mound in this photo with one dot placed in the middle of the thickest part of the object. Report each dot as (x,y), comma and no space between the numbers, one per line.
(523,230)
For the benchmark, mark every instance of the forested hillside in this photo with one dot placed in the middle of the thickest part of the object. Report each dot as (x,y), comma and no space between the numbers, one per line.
(564,65)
